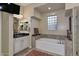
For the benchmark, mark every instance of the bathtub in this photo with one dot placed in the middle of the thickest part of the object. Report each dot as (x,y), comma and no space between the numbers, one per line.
(51,45)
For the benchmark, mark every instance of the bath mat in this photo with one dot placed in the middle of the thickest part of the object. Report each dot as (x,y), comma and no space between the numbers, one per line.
(37,53)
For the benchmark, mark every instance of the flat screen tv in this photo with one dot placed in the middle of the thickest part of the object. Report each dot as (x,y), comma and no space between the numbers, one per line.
(10,8)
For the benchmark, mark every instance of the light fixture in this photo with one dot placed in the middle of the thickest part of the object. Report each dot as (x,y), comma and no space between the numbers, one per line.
(49,8)
(0,7)
(18,16)
(8,3)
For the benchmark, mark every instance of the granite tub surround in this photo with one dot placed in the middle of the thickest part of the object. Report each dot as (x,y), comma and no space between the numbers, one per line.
(53,36)
(48,36)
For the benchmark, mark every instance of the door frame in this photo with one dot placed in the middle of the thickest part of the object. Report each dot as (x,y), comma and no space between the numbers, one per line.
(74,30)
(10,35)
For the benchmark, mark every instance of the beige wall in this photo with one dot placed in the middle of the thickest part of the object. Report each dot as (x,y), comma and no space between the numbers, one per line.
(37,14)
(62,24)
(28,11)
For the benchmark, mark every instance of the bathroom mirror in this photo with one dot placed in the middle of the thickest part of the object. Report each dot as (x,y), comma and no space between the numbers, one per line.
(23,26)
(20,26)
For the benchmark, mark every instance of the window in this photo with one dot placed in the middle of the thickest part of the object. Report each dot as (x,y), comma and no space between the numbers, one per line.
(52,22)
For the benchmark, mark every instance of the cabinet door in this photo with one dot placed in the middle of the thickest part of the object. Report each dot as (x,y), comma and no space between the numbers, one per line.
(22,44)
(25,42)
(17,45)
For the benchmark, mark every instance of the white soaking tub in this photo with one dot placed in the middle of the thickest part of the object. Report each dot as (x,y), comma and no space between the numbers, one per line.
(51,45)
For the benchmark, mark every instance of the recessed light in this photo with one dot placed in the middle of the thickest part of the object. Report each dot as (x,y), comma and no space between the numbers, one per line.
(0,7)
(49,8)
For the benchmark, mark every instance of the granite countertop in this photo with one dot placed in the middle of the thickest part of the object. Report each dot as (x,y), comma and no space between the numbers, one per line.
(17,35)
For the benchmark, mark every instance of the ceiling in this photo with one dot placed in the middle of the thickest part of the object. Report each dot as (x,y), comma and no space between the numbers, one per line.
(54,6)
(43,7)
(32,4)
(23,4)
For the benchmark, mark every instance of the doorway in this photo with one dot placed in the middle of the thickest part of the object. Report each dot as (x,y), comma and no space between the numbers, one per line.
(69,40)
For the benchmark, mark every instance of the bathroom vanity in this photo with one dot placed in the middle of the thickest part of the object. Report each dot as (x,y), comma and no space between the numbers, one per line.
(21,35)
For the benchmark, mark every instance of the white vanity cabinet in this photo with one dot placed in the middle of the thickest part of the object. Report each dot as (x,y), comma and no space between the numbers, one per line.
(20,44)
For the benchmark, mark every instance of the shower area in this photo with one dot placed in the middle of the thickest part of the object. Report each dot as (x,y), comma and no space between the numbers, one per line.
(52,44)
